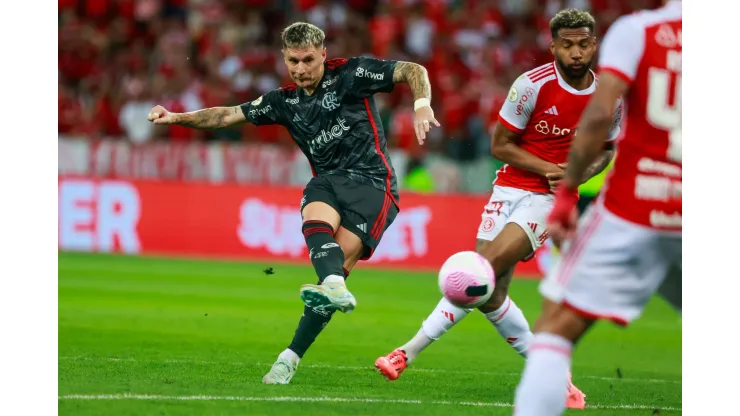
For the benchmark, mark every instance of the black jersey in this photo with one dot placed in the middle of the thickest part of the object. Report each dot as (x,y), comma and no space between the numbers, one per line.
(338,128)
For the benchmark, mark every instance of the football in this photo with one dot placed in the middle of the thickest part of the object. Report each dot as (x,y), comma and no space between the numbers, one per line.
(466,279)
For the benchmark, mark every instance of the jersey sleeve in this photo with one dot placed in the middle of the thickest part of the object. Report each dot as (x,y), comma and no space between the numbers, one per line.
(366,75)
(264,110)
(519,105)
(622,48)
(616,126)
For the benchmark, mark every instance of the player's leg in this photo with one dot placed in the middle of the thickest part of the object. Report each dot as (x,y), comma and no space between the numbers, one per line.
(509,247)
(493,230)
(504,242)
(320,219)
(609,271)
(364,209)
(332,294)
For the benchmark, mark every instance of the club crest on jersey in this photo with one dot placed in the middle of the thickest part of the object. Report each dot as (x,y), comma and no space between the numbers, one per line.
(330,101)
(257,101)
(513,94)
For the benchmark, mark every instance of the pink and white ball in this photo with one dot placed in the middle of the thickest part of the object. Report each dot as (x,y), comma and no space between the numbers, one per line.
(467,279)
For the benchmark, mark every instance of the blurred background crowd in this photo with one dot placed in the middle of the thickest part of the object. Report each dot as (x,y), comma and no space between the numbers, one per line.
(118,58)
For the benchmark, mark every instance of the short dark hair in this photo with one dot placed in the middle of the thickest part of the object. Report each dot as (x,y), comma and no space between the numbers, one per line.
(571,19)
(302,35)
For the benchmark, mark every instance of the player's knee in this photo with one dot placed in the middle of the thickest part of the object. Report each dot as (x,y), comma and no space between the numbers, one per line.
(562,321)
(321,211)
(497,299)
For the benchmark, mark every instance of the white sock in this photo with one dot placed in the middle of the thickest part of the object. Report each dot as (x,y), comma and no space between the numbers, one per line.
(291,356)
(544,383)
(444,317)
(511,324)
(332,278)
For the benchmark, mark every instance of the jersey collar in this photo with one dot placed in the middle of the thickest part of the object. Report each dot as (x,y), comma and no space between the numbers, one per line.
(572,90)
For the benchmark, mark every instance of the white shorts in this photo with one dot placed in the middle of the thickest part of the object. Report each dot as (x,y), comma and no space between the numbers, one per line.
(612,268)
(527,209)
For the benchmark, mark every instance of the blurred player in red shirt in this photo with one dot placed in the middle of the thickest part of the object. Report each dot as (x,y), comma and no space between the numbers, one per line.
(536,125)
(628,245)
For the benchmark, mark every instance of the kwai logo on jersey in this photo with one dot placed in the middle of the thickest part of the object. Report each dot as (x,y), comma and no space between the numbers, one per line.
(328,135)
(330,101)
(544,128)
(364,73)
(292,100)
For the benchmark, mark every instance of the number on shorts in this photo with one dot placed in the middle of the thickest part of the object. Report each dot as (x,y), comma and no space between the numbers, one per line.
(659,113)
(496,207)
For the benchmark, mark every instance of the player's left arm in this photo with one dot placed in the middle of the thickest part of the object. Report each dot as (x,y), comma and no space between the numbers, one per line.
(417,78)
(594,128)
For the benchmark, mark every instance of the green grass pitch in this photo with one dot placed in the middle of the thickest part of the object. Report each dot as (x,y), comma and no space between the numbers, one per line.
(146,336)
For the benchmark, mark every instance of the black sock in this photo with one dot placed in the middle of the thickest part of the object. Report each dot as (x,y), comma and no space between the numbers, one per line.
(310,326)
(326,255)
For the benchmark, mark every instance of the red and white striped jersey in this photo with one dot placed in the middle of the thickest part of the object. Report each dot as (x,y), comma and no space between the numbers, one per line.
(545,110)
(644,49)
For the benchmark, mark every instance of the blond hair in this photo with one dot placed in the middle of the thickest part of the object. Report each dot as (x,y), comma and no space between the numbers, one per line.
(302,35)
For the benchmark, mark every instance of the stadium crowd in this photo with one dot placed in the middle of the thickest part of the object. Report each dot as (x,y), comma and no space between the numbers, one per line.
(117,58)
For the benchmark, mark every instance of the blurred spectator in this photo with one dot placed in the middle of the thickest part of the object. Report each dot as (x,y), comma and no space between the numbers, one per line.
(117,58)
(133,116)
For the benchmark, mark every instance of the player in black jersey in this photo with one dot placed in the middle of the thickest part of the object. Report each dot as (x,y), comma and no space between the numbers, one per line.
(353,198)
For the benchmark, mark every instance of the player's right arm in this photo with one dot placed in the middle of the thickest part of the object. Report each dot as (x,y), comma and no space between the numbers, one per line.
(513,119)
(261,111)
(207,118)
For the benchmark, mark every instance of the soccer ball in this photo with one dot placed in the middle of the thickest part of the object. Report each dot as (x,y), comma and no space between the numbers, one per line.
(466,279)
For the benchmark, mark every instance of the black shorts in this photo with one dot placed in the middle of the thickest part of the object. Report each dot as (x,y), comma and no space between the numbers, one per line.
(365,211)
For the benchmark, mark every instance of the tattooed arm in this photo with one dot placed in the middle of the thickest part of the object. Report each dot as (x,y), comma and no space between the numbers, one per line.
(593,129)
(416,76)
(209,118)
(266,109)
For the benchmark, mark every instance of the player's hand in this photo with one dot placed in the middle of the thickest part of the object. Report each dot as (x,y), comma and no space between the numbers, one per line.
(160,115)
(563,219)
(423,121)
(554,178)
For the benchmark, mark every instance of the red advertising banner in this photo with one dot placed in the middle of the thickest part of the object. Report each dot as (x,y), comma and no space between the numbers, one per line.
(249,222)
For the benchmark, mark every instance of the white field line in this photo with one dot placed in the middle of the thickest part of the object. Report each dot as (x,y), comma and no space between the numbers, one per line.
(368,368)
(326,399)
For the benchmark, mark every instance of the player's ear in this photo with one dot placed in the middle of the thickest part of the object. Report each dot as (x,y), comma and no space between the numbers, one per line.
(552,47)
(323,54)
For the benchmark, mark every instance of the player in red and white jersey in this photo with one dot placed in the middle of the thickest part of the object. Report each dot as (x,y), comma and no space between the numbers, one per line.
(537,122)
(628,245)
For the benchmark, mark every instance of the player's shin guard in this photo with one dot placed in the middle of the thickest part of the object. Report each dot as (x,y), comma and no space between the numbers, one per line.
(444,317)
(326,255)
(310,326)
(545,377)
(511,324)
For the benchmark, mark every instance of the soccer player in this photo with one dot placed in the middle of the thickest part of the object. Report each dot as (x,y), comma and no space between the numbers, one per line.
(536,125)
(353,197)
(628,244)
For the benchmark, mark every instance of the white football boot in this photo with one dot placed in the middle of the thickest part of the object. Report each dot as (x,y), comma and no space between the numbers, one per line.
(280,373)
(329,296)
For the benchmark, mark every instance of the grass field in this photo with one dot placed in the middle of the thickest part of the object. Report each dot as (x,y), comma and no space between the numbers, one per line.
(142,336)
